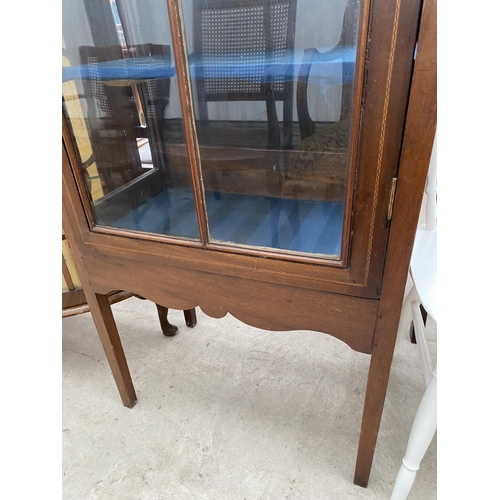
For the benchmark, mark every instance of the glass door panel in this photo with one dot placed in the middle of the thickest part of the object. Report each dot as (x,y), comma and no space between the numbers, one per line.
(121,100)
(272,84)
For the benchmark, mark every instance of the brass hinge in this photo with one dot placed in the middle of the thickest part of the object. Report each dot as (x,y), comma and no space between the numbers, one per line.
(391,198)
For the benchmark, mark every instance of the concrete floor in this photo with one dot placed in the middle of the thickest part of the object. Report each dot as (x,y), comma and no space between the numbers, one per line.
(227,411)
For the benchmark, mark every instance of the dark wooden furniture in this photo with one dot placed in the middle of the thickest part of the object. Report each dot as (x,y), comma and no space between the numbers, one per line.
(353,293)
(74,301)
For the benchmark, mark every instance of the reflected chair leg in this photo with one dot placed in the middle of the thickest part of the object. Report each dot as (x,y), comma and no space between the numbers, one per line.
(275,209)
(110,339)
(288,115)
(167,328)
(294,219)
(190,317)
(422,432)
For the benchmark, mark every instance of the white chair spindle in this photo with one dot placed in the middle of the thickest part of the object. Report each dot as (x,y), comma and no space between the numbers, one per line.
(423,271)
(421,435)
(431,191)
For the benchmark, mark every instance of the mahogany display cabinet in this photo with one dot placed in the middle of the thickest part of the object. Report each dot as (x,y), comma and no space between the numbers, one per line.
(263,158)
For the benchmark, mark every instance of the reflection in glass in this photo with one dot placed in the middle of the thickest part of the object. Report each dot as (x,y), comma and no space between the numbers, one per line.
(121,100)
(272,83)
(272,87)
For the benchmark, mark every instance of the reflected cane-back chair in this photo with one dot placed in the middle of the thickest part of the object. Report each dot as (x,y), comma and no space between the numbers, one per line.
(260,33)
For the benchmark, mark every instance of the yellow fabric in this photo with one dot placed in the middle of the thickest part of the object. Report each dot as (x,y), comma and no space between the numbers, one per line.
(68,258)
(79,129)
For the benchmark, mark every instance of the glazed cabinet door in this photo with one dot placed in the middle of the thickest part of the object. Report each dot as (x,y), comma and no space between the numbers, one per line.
(260,137)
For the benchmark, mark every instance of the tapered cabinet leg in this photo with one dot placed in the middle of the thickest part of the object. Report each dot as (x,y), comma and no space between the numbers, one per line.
(108,333)
(421,435)
(190,317)
(167,328)
(376,389)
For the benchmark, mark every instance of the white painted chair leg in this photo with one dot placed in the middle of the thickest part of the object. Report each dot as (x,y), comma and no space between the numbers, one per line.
(423,350)
(406,313)
(421,435)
